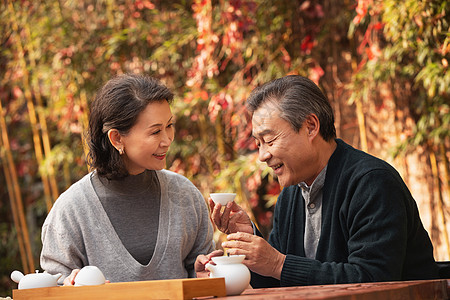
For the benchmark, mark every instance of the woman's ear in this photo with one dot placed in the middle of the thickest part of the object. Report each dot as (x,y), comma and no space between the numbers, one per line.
(116,140)
(312,126)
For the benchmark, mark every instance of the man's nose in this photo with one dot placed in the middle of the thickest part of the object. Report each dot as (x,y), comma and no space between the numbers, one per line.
(264,154)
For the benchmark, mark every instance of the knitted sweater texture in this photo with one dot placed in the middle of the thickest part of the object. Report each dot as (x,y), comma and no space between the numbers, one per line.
(77,233)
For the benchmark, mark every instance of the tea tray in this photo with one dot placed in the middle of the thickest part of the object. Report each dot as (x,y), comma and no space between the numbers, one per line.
(155,289)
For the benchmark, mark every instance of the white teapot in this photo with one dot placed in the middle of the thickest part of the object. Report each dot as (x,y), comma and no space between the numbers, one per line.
(236,274)
(35,280)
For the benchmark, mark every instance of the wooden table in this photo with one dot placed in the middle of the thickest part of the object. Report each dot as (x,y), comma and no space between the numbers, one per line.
(402,290)
(210,287)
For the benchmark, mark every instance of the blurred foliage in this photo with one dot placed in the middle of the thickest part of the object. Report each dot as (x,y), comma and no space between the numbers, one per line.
(211,54)
(407,46)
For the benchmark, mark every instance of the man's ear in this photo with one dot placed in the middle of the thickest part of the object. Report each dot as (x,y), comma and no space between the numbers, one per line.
(312,126)
(116,139)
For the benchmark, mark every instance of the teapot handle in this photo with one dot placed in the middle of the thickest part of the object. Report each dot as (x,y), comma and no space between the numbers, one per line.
(16,276)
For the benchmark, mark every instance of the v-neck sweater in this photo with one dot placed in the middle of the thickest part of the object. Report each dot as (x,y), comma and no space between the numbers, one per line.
(371,228)
(77,232)
(120,198)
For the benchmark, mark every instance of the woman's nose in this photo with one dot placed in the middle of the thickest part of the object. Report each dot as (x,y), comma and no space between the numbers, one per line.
(167,138)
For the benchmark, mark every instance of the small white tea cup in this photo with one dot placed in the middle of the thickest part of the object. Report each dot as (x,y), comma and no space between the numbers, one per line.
(89,275)
(222,198)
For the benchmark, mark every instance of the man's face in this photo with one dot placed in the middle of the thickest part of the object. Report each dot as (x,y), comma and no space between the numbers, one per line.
(288,152)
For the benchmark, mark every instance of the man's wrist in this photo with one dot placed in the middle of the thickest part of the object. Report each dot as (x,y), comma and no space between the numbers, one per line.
(279,266)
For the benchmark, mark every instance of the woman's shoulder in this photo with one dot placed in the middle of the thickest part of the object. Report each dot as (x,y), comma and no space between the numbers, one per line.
(176,184)
(72,203)
(76,193)
(172,177)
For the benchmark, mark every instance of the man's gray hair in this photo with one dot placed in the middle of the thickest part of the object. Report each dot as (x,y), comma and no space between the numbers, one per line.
(297,97)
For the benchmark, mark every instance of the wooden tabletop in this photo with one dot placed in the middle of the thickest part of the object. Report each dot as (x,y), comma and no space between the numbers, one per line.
(214,288)
(426,289)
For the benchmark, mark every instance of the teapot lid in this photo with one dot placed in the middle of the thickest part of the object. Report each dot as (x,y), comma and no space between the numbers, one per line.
(225,260)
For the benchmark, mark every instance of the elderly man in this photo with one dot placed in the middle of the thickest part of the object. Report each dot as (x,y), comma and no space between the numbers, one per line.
(343,216)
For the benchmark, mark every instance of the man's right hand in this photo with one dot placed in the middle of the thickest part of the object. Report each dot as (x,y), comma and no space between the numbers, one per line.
(233,219)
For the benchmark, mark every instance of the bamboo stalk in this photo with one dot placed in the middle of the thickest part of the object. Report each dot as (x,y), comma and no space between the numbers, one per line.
(12,200)
(42,118)
(361,124)
(204,137)
(17,205)
(219,136)
(360,115)
(31,109)
(443,155)
(437,185)
(110,13)
(84,123)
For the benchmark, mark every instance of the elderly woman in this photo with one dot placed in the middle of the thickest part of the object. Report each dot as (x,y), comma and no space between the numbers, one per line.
(129,217)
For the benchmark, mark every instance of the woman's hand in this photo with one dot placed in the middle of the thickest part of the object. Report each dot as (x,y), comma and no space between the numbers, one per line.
(70,280)
(232,219)
(201,262)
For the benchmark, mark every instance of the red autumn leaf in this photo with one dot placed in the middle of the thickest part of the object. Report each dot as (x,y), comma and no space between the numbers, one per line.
(204,95)
(307,44)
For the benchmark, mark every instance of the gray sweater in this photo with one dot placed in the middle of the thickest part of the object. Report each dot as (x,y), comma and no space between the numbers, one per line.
(78,232)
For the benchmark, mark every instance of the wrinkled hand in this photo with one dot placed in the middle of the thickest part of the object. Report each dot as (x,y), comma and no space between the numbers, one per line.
(70,280)
(232,219)
(260,256)
(202,260)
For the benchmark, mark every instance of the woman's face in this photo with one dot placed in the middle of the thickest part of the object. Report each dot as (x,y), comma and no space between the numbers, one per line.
(147,142)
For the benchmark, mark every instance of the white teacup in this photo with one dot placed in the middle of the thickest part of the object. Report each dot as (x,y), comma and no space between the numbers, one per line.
(89,275)
(222,198)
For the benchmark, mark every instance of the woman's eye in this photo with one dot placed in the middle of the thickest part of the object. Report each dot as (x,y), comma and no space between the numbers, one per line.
(170,125)
(156,132)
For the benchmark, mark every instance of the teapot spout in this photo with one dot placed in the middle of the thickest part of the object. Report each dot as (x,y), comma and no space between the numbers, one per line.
(56,276)
(16,276)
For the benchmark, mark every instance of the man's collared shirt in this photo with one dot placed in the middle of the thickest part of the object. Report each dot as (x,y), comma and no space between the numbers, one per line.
(313,201)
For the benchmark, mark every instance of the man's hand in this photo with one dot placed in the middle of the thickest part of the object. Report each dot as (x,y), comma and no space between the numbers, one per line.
(260,256)
(232,219)
(202,260)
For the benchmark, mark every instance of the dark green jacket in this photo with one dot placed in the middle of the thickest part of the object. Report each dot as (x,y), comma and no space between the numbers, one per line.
(371,229)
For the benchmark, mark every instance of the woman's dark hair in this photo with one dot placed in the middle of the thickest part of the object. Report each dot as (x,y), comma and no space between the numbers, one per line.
(117,105)
(297,97)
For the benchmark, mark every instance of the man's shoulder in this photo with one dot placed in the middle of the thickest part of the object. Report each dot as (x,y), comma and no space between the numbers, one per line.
(347,158)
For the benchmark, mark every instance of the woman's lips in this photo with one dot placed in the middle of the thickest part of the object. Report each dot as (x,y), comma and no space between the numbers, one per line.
(160,156)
